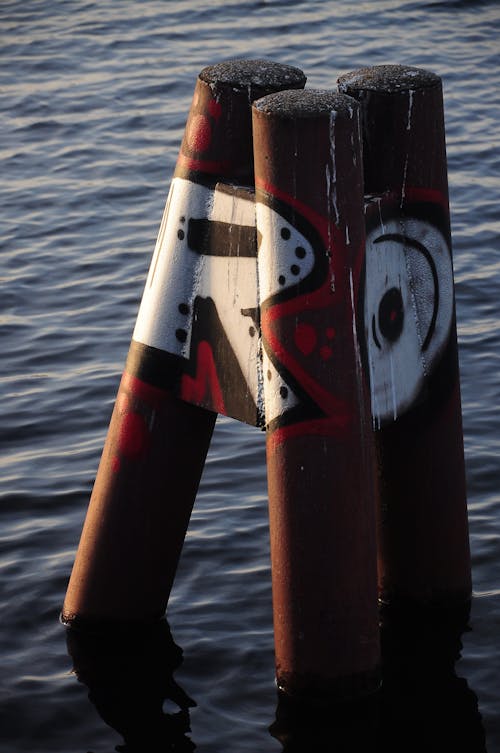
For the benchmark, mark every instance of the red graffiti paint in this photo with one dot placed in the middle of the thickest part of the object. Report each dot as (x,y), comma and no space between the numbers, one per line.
(133,389)
(134,435)
(307,326)
(199,133)
(136,404)
(305,338)
(214,108)
(205,386)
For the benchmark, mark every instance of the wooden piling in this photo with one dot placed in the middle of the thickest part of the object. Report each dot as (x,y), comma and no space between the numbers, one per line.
(411,341)
(156,445)
(309,204)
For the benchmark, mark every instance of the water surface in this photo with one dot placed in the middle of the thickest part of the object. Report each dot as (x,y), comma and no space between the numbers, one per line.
(93,99)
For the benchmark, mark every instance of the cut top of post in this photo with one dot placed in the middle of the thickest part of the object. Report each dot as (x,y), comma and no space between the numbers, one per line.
(390,79)
(403,129)
(217,141)
(303,142)
(308,103)
(255,75)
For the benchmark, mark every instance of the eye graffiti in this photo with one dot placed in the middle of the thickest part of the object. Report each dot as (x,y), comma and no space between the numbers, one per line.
(408,308)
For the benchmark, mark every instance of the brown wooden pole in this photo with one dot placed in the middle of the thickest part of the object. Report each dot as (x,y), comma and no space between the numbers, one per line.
(320,462)
(410,331)
(140,506)
(156,445)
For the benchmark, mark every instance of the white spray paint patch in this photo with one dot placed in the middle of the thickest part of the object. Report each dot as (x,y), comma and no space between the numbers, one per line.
(408,310)
(180,273)
(286,257)
(278,395)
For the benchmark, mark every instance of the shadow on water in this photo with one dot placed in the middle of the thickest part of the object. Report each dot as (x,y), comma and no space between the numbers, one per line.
(422,704)
(129,675)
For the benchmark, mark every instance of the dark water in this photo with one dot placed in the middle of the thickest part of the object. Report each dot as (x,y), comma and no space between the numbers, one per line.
(93,101)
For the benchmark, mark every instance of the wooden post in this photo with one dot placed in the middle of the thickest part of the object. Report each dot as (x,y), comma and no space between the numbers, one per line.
(156,445)
(309,199)
(410,330)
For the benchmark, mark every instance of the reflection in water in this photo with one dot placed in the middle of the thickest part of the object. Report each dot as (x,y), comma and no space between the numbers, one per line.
(422,705)
(128,672)
(423,698)
(341,728)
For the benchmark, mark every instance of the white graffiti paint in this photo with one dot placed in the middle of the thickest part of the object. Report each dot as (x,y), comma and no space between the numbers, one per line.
(183,268)
(408,310)
(278,395)
(286,257)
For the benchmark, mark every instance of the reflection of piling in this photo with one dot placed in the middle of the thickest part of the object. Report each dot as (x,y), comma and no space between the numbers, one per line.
(156,445)
(421,689)
(343,727)
(422,706)
(411,338)
(128,671)
(319,440)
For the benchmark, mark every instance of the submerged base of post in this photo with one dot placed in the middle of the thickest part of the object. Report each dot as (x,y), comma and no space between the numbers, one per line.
(322,691)
(303,725)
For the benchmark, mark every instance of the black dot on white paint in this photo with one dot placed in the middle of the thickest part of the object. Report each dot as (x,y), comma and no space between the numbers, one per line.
(283,392)
(282,279)
(295,269)
(251,331)
(180,234)
(181,335)
(183,308)
(285,233)
(300,252)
